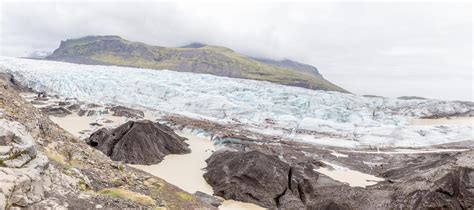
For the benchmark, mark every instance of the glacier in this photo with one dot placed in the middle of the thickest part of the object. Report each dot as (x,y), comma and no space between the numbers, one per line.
(319,117)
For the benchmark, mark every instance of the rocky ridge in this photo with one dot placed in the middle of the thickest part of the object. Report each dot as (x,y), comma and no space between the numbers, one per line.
(45,167)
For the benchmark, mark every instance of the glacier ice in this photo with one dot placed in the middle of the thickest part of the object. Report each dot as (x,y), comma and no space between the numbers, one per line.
(329,118)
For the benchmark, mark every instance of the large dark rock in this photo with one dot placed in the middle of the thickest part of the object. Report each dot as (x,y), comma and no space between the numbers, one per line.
(85,112)
(74,107)
(142,142)
(126,112)
(257,178)
(55,111)
(433,185)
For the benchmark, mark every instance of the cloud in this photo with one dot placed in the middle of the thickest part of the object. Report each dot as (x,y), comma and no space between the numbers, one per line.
(351,43)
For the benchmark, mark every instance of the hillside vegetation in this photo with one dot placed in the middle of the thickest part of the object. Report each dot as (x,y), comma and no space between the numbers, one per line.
(198,58)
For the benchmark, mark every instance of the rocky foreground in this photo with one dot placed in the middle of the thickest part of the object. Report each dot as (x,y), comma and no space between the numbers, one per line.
(42,166)
(443,181)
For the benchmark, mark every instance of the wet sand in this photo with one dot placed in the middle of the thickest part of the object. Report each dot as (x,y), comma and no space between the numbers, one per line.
(190,176)
(346,175)
(76,125)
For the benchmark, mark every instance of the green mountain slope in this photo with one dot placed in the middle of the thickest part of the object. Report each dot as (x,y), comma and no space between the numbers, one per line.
(198,58)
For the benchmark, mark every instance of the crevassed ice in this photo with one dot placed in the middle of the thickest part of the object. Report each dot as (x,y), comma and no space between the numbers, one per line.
(258,106)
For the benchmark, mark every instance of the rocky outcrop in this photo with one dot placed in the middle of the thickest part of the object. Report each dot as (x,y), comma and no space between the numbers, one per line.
(141,142)
(12,82)
(22,167)
(454,190)
(122,111)
(437,181)
(259,178)
(55,111)
(74,107)
(447,183)
(251,176)
(209,199)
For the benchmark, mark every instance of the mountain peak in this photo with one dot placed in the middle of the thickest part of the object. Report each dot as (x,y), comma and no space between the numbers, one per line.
(195,57)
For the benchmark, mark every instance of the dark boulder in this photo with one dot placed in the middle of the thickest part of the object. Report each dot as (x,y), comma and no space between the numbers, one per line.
(84,112)
(81,112)
(434,181)
(126,112)
(141,142)
(64,103)
(257,178)
(74,107)
(93,106)
(55,111)
(91,113)
(454,190)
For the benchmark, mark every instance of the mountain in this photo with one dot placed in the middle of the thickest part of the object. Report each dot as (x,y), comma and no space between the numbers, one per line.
(292,65)
(195,57)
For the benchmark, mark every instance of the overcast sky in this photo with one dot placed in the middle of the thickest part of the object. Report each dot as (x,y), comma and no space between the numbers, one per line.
(389,49)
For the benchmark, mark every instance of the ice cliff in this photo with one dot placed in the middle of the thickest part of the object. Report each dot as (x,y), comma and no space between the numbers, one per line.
(320,117)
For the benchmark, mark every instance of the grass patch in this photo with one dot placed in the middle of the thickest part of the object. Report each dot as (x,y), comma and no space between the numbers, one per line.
(56,157)
(128,195)
(184,196)
(153,184)
(82,185)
